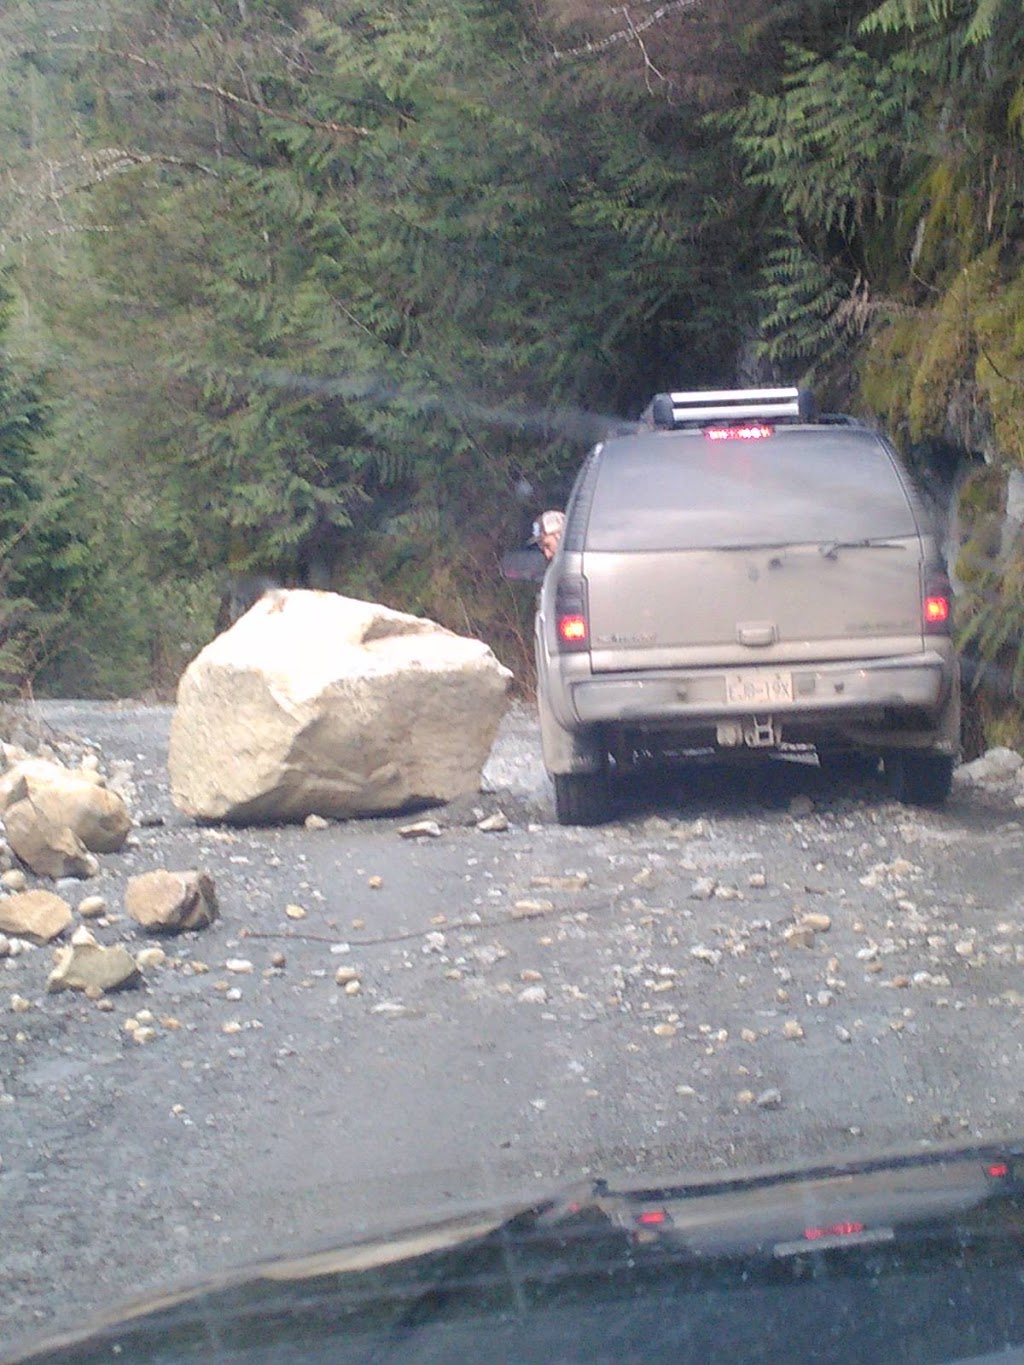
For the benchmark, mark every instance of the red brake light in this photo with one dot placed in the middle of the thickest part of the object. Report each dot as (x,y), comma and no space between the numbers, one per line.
(998,1169)
(572,629)
(833,1230)
(747,432)
(652,1218)
(936,610)
(570,616)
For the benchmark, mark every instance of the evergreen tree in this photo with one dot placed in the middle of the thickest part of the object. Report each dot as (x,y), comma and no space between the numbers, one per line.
(41,559)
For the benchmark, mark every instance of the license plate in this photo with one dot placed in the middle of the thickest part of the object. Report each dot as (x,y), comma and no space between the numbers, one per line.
(758,688)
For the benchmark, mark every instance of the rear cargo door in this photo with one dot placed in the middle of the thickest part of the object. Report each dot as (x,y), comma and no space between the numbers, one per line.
(704,552)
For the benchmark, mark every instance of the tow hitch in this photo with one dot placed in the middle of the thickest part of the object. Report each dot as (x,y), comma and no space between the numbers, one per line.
(755,733)
(761,734)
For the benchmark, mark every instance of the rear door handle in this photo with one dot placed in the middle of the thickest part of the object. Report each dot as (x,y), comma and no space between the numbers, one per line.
(754,633)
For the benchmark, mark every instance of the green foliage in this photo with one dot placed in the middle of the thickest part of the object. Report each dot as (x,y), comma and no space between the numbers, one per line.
(317,288)
(829,144)
(42,561)
(362,273)
(828,150)
(976,21)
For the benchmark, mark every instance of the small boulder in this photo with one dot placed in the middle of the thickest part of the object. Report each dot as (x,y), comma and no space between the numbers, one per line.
(46,848)
(76,798)
(171,902)
(87,966)
(38,916)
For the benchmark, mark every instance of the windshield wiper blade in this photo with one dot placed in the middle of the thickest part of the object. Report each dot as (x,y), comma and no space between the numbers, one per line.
(830,548)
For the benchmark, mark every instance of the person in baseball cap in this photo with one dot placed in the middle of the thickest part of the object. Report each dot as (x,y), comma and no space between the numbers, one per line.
(547,532)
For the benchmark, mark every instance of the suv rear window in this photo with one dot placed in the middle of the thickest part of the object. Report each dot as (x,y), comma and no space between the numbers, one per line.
(682,491)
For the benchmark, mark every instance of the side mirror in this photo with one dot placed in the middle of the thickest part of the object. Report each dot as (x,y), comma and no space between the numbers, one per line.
(523,566)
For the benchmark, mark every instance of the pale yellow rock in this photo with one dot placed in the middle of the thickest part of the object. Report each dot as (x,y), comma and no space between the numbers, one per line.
(799,935)
(48,848)
(818,922)
(87,966)
(315,703)
(72,798)
(38,916)
(171,902)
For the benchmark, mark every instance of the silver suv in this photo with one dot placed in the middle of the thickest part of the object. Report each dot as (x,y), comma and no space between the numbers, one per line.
(741,577)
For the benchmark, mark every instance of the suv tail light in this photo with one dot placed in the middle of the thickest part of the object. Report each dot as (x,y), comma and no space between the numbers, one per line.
(937,605)
(571,621)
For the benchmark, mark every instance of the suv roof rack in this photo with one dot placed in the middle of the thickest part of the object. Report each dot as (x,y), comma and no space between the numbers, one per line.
(669,410)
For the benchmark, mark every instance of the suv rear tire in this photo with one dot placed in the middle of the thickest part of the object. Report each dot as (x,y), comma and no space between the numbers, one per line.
(581,798)
(847,765)
(919,778)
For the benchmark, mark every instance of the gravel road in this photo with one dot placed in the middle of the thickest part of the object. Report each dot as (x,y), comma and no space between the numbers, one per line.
(534,1005)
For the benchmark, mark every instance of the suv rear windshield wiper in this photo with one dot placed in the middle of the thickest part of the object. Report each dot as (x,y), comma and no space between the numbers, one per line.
(830,548)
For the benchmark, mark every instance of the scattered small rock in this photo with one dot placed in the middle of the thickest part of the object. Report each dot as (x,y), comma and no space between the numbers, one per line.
(798,935)
(150,957)
(533,995)
(422,829)
(87,966)
(38,916)
(530,909)
(171,902)
(493,824)
(770,1098)
(820,923)
(315,822)
(570,881)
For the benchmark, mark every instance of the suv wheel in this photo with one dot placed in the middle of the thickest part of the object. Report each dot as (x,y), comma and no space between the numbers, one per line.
(918,777)
(581,798)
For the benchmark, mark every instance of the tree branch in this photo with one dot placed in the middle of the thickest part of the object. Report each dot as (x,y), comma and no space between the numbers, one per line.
(349,131)
(631,33)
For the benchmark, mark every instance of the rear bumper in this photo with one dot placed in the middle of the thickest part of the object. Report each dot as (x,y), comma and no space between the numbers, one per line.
(918,684)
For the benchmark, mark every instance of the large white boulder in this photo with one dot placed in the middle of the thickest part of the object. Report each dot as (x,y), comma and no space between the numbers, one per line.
(314,703)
